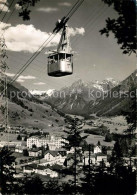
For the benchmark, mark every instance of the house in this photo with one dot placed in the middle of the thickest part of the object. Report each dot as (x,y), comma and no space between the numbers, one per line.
(42,170)
(36,152)
(101,157)
(18,175)
(86,159)
(51,172)
(61,151)
(29,168)
(11,147)
(97,149)
(11,143)
(19,149)
(51,155)
(56,168)
(23,137)
(72,150)
(57,161)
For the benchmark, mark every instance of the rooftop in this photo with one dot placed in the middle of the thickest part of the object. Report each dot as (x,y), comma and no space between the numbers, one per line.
(101,154)
(53,153)
(34,150)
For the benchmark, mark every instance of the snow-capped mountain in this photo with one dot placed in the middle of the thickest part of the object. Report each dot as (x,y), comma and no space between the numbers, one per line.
(42,93)
(36,92)
(74,99)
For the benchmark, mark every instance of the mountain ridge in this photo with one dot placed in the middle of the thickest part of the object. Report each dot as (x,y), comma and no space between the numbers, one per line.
(75,97)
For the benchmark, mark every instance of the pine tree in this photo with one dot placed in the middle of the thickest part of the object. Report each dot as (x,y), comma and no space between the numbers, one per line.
(52,187)
(130,110)
(18,137)
(33,185)
(75,141)
(117,157)
(47,147)
(7,170)
(25,152)
(88,178)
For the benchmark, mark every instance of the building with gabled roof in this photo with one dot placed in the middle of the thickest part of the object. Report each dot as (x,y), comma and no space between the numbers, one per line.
(36,152)
(51,155)
(97,149)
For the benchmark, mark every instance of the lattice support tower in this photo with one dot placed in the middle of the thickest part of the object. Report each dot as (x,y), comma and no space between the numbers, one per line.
(3,87)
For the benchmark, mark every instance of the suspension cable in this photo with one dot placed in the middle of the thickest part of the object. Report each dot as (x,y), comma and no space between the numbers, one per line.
(42,47)
(7,10)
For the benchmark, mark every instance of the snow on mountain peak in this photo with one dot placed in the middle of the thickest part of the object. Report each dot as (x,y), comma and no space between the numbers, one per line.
(50,92)
(38,92)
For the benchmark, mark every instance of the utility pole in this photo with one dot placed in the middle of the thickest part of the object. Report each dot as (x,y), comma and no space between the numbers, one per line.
(3,86)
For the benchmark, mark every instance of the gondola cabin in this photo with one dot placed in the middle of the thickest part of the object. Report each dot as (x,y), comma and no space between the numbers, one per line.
(60,64)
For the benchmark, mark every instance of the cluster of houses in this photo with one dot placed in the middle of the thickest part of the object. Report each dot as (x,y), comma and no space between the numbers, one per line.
(14,146)
(53,158)
(58,157)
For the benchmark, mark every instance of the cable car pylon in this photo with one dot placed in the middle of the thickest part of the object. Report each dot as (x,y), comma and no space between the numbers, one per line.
(4,123)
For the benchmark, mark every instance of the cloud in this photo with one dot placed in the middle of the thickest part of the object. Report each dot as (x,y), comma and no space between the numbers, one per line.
(27,77)
(47,9)
(4,26)
(17,6)
(10,74)
(65,4)
(49,52)
(29,38)
(4,5)
(77,31)
(21,78)
(39,83)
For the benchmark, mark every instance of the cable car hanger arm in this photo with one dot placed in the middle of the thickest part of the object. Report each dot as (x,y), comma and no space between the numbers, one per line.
(60,24)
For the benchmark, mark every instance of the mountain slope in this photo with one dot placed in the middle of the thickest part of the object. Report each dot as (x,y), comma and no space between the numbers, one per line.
(27,110)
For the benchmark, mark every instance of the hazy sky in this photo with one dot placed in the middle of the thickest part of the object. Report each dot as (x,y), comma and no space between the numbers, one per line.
(96,57)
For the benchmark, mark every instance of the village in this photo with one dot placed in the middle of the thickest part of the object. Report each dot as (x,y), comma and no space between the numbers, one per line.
(45,155)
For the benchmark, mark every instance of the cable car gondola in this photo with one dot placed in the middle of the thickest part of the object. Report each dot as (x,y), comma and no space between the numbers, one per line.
(60,63)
